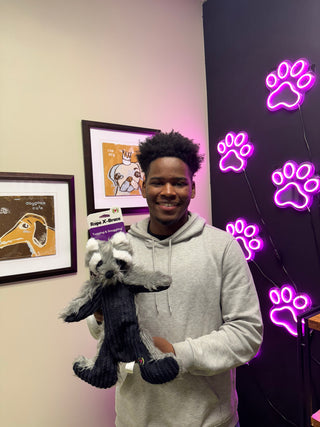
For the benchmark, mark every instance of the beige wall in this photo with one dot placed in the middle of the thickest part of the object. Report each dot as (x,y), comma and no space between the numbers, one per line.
(134,62)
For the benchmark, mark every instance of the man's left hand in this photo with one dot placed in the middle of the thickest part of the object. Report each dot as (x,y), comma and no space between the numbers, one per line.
(163,345)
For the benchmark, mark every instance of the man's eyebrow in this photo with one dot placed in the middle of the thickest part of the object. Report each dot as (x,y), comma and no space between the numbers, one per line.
(162,178)
(157,177)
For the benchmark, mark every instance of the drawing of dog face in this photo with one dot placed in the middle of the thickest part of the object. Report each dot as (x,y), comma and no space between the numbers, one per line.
(125,177)
(33,230)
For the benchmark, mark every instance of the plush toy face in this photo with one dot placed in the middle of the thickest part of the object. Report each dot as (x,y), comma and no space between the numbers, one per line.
(109,260)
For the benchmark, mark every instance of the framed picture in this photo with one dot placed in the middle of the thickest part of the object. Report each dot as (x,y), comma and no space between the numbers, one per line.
(37,226)
(113,174)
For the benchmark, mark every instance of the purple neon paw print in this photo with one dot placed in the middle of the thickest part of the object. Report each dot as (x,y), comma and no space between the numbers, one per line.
(235,149)
(288,84)
(296,185)
(247,236)
(287,305)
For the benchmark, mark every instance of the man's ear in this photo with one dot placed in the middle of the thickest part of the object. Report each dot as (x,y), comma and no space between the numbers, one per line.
(193,190)
(143,188)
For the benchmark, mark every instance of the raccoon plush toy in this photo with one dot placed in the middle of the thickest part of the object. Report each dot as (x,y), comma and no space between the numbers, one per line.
(114,281)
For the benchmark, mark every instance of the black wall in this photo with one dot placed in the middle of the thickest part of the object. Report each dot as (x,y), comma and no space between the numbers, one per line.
(244,41)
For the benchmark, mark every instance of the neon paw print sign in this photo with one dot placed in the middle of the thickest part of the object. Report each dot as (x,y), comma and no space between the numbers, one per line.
(287,305)
(247,236)
(296,185)
(235,149)
(288,84)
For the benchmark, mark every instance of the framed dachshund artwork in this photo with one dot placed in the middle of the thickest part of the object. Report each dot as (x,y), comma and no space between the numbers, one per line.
(37,226)
(112,171)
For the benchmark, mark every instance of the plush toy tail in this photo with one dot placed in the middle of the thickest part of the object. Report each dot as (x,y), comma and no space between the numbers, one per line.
(159,371)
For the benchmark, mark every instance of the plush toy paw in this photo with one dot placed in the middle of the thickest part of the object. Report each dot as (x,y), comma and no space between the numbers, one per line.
(101,375)
(159,371)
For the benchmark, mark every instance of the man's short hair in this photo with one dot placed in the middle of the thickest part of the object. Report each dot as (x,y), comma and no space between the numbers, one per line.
(171,144)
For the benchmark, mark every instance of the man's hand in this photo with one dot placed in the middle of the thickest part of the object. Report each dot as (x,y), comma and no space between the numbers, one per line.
(98,316)
(163,345)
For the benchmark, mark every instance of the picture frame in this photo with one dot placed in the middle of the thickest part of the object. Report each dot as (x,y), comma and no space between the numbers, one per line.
(112,173)
(37,226)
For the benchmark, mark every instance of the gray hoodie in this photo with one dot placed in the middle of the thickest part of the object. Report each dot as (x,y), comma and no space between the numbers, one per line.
(210,314)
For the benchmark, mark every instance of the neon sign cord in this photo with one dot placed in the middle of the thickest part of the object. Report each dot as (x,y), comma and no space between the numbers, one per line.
(264,274)
(275,409)
(314,235)
(314,360)
(310,158)
(305,135)
(275,250)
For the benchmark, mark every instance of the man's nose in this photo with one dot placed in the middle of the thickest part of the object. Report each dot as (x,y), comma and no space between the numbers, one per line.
(168,189)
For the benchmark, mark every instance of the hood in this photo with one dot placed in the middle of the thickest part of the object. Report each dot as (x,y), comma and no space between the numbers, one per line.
(193,227)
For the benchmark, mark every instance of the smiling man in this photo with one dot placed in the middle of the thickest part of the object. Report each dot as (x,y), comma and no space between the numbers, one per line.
(168,188)
(209,317)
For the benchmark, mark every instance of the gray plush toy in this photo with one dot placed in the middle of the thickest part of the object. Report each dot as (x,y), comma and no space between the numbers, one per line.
(114,281)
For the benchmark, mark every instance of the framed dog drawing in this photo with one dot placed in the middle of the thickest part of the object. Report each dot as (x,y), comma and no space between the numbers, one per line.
(37,226)
(113,174)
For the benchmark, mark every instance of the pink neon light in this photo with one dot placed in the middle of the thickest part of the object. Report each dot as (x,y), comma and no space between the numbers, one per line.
(287,305)
(235,149)
(296,185)
(247,236)
(288,84)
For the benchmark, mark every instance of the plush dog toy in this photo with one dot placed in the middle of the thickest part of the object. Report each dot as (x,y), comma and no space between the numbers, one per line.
(114,281)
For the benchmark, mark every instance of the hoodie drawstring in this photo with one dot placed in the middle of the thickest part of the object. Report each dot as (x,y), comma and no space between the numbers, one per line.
(169,272)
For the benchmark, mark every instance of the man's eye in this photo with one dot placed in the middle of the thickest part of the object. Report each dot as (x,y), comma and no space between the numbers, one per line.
(180,184)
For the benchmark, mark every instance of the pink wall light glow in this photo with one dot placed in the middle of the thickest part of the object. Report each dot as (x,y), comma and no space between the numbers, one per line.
(235,149)
(247,236)
(297,185)
(288,84)
(287,305)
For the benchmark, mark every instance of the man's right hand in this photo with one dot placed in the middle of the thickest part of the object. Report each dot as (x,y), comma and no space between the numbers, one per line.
(98,316)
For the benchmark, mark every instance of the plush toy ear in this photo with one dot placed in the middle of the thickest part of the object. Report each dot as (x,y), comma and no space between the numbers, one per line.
(92,249)
(121,242)
(119,238)
(92,245)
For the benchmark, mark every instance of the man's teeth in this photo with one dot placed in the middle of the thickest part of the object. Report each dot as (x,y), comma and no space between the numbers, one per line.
(168,205)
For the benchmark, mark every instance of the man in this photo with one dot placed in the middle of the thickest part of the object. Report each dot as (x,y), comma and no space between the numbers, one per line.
(209,317)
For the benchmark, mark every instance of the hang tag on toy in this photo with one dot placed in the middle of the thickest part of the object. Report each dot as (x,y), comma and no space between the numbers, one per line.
(103,225)
(129,367)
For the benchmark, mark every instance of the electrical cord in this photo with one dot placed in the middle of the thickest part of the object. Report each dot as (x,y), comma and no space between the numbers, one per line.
(275,409)
(275,250)
(264,275)
(315,360)
(311,160)
(311,338)
(314,235)
(305,134)
(279,259)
